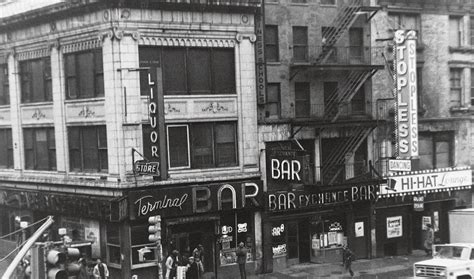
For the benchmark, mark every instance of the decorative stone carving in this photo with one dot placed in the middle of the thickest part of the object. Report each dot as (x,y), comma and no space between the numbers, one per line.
(240,37)
(38,114)
(86,112)
(215,107)
(118,34)
(125,14)
(33,54)
(54,44)
(170,40)
(171,109)
(80,46)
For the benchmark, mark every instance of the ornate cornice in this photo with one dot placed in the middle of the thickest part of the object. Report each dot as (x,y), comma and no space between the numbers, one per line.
(167,40)
(33,54)
(118,34)
(80,46)
(251,37)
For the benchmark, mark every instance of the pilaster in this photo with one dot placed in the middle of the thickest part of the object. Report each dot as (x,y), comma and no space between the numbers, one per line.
(15,100)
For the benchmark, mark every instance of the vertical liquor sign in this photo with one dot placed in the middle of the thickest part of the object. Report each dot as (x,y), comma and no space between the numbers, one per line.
(406,93)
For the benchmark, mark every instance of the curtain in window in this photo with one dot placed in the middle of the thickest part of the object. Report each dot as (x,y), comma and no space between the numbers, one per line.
(225,144)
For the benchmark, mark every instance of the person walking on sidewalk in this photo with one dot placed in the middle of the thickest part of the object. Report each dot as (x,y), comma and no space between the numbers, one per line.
(347,258)
(429,239)
(242,259)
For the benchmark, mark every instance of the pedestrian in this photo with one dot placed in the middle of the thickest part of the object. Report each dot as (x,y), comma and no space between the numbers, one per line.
(192,271)
(428,244)
(171,265)
(100,270)
(83,274)
(242,259)
(347,258)
(198,254)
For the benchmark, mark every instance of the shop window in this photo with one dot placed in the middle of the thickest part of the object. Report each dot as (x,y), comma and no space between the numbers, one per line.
(4,85)
(35,78)
(455,31)
(189,71)
(113,245)
(199,145)
(435,150)
(455,80)
(84,74)
(272,107)
(235,228)
(271,43)
(140,243)
(302,99)
(328,232)
(40,149)
(88,149)
(300,43)
(6,149)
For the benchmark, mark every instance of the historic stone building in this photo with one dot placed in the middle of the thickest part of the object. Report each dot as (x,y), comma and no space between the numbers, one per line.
(93,93)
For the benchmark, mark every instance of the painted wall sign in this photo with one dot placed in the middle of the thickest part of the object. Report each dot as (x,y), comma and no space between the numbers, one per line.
(189,200)
(394,227)
(153,115)
(437,179)
(291,200)
(399,165)
(406,93)
(287,166)
(260,58)
(84,206)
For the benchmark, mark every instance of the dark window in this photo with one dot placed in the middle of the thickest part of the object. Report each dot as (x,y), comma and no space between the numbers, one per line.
(4,87)
(40,149)
(408,21)
(190,70)
(6,149)
(207,145)
(271,43)
(302,100)
(292,239)
(435,150)
(273,101)
(88,148)
(84,74)
(327,36)
(472,86)
(419,87)
(472,30)
(300,43)
(299,1)
(330,92)
(455,80)
(358,102)
(328,2)
(35,78)
(356,43)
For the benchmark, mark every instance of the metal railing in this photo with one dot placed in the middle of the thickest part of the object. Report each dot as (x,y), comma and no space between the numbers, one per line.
(351,55)
(353,109)
(230,3)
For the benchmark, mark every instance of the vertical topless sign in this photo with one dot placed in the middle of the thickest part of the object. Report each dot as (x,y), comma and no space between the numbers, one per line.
(406,93)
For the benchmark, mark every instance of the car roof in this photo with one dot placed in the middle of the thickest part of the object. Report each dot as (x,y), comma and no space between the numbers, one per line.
(470,245)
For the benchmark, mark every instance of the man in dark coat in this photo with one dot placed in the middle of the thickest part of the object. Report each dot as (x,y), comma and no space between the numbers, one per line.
(347,258)
(242,259)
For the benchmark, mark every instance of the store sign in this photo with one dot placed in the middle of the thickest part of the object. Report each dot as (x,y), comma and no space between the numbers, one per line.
(190,200)
(291,200)
(278,231)
(406,93)
(394,227)
(147,168)
(288,166)
(399,165)
(72,205)
(260,59)
(418,203)
(279,250)
(427,180)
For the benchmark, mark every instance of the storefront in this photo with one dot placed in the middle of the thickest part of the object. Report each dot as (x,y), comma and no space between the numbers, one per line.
(411,200)
(312,224)
(217,216)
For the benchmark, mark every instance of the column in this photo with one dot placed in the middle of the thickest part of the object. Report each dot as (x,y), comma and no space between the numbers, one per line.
(15,100)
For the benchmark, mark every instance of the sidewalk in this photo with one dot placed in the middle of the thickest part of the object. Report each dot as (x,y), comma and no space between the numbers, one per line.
(363,268)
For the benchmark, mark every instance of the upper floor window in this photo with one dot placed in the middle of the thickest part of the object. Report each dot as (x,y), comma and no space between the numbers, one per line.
(302,99)
(455,31)
(455,80)
(271,43)
(472,30)
(356,44)
(40,148)
(300,43)
(188,71)
(84,74)
(299,1)
(88,148)
(6,149)
(4,86)
(199,145)
(435,150)
(328,2)
(35,78)
(272,107)
(407,21)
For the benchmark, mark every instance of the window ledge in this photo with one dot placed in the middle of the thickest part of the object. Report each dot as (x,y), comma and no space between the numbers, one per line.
(460,109)
(73,101)
(5,106)
(36,104)
(461,49)
(300,4)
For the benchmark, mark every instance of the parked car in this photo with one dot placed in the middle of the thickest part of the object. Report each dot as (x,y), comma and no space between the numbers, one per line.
(454,260)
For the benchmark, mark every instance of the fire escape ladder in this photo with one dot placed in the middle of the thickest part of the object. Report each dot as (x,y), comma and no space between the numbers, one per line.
(344,94)
(333,166)
(345,18)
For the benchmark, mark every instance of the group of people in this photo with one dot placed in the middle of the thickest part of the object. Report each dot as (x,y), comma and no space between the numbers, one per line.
(193,263)
(100,270)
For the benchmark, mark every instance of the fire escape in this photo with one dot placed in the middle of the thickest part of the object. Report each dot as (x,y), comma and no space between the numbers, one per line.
(335,114)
